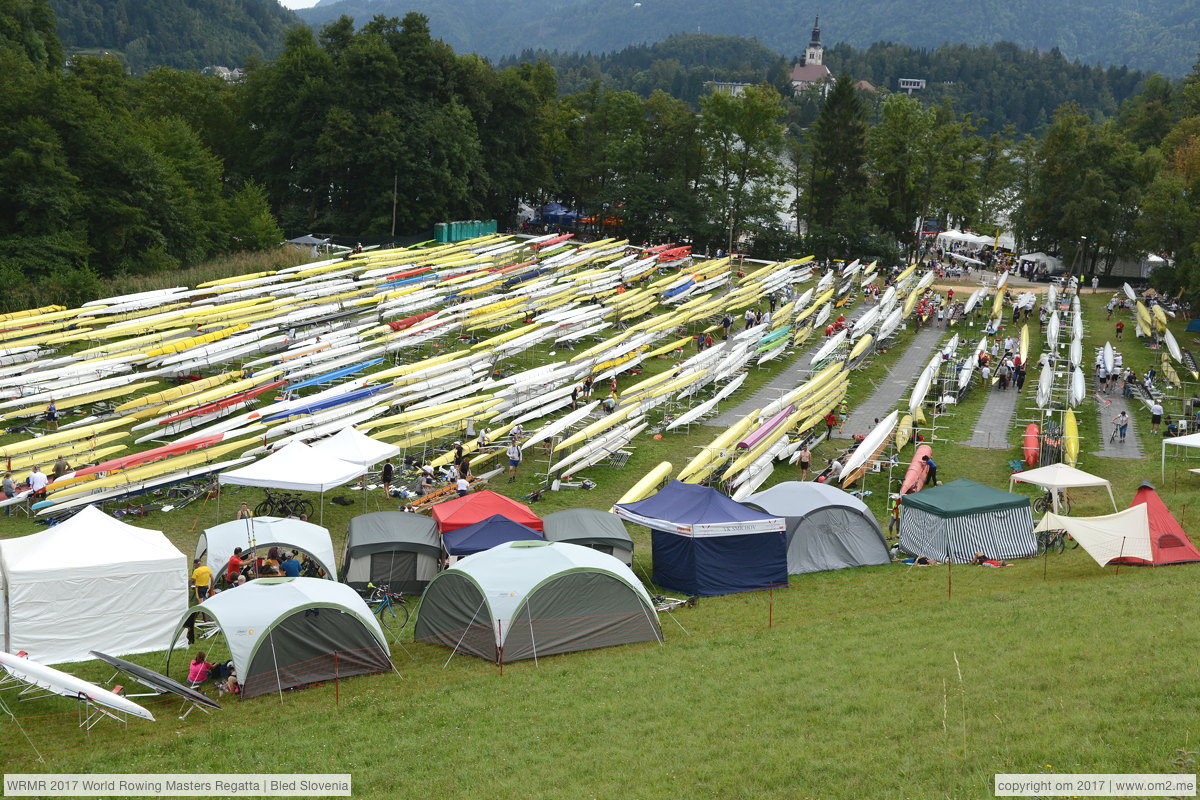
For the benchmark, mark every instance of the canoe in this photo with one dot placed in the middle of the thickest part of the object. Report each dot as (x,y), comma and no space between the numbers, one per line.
(914,476)
(1031,445)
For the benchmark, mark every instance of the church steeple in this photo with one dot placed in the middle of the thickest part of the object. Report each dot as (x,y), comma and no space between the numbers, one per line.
(815,53)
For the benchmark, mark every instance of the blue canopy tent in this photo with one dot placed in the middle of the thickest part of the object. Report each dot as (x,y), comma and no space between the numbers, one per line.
(486,534)
(1193,326)
(706,544)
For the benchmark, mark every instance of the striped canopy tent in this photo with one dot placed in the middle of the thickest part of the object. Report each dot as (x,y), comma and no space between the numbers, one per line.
(956,520)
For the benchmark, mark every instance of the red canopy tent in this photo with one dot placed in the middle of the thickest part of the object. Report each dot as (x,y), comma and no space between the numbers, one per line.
(1168,542)
(478,506)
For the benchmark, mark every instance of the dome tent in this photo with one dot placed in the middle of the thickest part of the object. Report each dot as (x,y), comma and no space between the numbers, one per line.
(956,520)
(261,534)
(393,549)
(532,599)
(591,527)
(827,528)
(287,632)
(486,534)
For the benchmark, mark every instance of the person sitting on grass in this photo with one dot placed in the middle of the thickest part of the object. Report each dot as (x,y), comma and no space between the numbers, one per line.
(983,561)
(199,668)
(919,561)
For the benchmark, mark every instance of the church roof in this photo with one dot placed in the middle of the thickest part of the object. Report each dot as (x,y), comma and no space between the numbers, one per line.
(809,73)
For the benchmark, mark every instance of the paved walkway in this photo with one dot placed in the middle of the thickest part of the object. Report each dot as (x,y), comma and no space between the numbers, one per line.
(1117,403)
(893,387)
(792,376)
(997,416)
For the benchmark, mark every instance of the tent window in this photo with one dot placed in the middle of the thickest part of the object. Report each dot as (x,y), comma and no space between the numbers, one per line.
(392,568)
(1169,540)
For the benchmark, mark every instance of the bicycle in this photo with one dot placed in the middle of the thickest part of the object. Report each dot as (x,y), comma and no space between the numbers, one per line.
(285,504)
(390,607)
(1045,503)
(1051,542)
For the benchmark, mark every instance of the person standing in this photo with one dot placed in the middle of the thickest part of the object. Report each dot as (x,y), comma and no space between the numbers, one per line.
(805,461)
(52,416)
(386,475)
(10,490)
(843,412)
(201,580)
(1120,329)
(726,326)
(1095,283)
(514,459)
(244,511)
(931,475)
(1122,422)
(830,424)
(1156,414)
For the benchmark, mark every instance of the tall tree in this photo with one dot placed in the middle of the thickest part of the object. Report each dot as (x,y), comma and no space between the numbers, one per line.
(743,142)
(838,224)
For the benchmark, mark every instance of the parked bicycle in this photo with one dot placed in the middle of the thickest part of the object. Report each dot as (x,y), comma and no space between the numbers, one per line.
(283,504)
(1045,502)
(1051,542)
(390,607)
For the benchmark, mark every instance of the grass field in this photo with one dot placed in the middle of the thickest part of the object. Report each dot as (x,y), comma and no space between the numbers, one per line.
(883,682)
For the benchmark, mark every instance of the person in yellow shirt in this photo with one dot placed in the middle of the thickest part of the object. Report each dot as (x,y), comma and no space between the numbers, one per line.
(201,579)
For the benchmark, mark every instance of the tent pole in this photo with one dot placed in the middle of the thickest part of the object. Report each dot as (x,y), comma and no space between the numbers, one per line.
(1120,554)
(322,514)
(949,575)
(275,661)
(532,640)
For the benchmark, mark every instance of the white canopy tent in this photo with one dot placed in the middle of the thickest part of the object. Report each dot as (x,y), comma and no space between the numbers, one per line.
(1125,534)
(1191,440)
(356,447)
(297,467)
(1060,476)
(266,532)
(90,583)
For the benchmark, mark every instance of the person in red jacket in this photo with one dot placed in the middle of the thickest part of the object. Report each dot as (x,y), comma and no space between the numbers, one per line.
(831,422)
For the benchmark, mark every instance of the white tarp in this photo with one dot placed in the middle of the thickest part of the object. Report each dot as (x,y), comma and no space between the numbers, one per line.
(356,447)
(264,533)
(92,583)
(1125,534)
(1060,476)
(297,467)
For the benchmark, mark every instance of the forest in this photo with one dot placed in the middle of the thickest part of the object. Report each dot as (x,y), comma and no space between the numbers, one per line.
(1157,35)
(383,130)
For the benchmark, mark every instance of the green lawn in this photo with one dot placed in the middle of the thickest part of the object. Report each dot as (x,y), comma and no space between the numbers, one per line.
(885,682)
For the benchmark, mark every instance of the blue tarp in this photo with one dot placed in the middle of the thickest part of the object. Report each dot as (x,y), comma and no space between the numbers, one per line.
(486,534)
(707,544)
(1194,326)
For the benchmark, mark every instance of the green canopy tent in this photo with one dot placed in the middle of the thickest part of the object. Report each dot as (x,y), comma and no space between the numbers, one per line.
(956,520)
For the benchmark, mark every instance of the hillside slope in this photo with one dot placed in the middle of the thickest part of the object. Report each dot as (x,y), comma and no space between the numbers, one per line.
(1160,35)
(176,33)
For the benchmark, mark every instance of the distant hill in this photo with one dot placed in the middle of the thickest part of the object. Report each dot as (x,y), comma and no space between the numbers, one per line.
(186,34)
(1159,35)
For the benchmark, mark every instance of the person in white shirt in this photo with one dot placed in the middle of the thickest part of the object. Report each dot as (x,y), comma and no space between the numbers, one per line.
(514,459)
(38,483)
(463,486)
(1156,412)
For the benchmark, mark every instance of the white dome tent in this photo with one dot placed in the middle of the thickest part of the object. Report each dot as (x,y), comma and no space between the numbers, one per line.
(263,533)
(527,599)
(288,632)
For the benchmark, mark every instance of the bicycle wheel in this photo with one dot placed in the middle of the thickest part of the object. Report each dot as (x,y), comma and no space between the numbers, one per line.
(1064,505)
(1060,541)
(393,616)
(265,509)
(1041,505)
(1041,544)
(304,507)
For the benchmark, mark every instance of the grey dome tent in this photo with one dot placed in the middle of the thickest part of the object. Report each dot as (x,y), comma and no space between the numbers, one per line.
(591,527)
(529,599)
(826,527)
(393,549)
(287,632)
(956,520)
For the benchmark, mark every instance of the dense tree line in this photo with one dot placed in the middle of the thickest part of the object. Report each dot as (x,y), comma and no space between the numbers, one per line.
(382,129)
(1001,85)
(186,34)
(1157,35)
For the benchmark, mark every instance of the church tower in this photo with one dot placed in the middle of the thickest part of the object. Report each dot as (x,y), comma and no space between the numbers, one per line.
(814,54)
